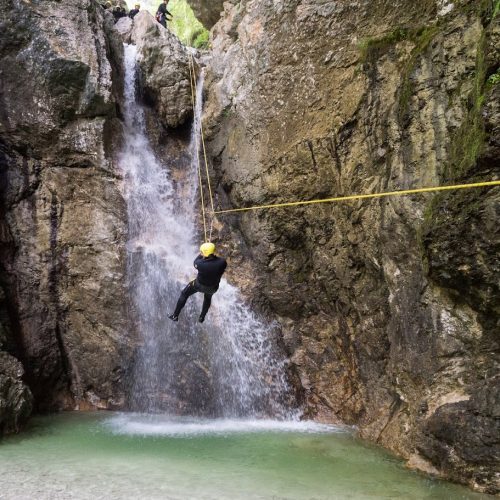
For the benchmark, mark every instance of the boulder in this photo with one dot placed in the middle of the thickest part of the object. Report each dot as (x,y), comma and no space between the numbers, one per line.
(15,397)
(164,70)
(208,13)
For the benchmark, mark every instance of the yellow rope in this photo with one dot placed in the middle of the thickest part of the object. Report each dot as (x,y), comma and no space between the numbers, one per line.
(297,203)
(192,77)
(362,196)
(204,149)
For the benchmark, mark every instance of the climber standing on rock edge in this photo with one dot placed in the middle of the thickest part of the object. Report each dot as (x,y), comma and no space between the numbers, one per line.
(134,11)
(162,13)
(210,271)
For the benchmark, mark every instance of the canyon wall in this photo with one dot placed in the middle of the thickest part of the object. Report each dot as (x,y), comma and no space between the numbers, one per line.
(63,223)
(207,12)
(67,329)
(389,307)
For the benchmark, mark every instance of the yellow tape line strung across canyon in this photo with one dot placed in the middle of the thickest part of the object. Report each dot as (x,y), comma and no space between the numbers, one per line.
(361,197)
(338,199)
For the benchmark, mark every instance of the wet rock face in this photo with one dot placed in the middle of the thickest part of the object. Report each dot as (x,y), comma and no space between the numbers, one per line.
(63,219)
(463,437)
(389,307)
(15,397)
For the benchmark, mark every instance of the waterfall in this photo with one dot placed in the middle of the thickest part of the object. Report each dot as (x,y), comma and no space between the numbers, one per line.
(229,366)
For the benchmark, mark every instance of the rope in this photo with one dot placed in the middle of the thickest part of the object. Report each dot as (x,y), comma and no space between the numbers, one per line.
(193,100)
(204,149)
(337,199)
(362,197)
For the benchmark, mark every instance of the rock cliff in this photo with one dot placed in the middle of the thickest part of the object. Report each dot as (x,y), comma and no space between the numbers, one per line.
(207,12)
(63,221)
(15,397)
(389,307)
(164,69)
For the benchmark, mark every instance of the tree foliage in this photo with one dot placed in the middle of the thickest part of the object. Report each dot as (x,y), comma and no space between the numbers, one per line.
(184,23)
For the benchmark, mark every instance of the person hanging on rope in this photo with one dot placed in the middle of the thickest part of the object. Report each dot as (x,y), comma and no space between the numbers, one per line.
(210,270)
(162,14)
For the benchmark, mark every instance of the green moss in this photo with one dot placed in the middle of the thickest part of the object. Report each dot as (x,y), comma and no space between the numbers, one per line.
(468,140)
(466,146)
(184,23)
(496,9)
(201,40)
(494,79)
(423,38)
(372,48)
(486,9)
(228,112)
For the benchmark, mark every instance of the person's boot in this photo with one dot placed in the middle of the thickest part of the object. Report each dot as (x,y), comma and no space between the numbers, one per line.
(173,317)
(201,319)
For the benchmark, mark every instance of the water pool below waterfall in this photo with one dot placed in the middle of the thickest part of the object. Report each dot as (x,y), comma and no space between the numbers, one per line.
(129,456)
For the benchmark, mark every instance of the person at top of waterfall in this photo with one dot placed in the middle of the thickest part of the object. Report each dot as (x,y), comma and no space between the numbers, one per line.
(210,270)
(119,12)
(134,11)
(162,14)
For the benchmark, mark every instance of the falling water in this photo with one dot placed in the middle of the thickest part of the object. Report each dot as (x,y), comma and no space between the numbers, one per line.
(227,367)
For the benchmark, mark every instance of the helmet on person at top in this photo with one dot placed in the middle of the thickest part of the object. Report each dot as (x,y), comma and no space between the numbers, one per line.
(207,249)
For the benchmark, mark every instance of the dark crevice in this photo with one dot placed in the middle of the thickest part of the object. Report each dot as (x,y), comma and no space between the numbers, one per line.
(310,146)
(56,211)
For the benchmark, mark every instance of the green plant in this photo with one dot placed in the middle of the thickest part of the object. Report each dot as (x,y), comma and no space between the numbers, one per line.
(201,40)
(184,23)
(496,9)
(371,48)
(228,112)
(468,141)
(494,79)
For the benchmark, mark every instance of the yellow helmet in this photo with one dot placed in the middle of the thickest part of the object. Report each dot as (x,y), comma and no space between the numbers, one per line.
(207,249)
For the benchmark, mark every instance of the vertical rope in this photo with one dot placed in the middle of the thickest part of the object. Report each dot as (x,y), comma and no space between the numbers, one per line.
(204,150)
(192,81)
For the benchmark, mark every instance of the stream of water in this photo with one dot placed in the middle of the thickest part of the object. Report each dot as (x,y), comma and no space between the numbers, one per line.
(227,367)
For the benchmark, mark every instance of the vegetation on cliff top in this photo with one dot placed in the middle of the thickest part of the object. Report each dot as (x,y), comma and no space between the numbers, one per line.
(184,23)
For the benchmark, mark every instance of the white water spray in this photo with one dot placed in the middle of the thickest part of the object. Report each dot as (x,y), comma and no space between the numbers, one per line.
(227,367)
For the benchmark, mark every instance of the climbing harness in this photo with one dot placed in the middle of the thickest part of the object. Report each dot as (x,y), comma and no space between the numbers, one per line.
(337,199)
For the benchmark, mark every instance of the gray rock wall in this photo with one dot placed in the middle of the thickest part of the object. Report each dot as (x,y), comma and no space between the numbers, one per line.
(164,70)
(207,12)
(389,307)
(63,222)
(15,397)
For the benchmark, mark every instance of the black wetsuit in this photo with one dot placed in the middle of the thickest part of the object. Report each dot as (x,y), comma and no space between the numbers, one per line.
(118,13)
(210,271)
(162,12)
(133,13)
